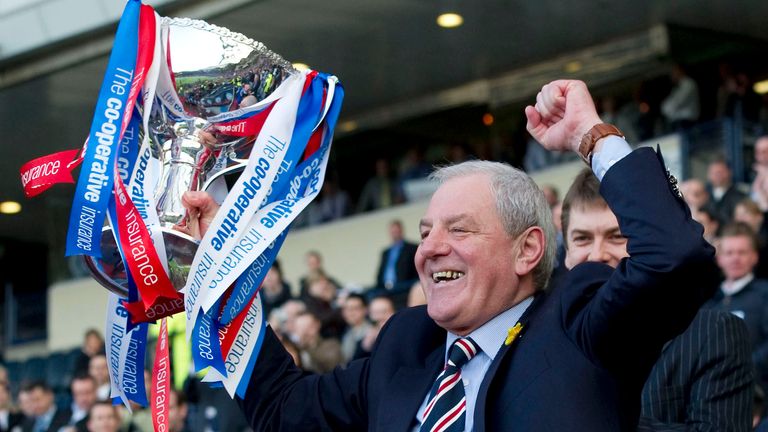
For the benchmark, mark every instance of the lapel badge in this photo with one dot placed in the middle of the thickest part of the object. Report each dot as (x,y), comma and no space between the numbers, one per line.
(512,333)
(674,184)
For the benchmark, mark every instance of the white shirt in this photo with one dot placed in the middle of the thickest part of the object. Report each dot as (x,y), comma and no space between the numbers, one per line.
(733,287)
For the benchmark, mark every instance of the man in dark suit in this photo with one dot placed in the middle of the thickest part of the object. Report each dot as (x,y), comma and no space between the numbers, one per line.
(741,293)
(10,420)
(48,418)
(396,272)
(724,195)
(574,358)
(703,379)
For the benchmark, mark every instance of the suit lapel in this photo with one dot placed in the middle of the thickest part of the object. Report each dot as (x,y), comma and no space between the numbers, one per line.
(406,392)
(536,363)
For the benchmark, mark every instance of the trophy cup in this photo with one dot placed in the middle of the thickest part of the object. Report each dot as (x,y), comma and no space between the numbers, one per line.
(215,71)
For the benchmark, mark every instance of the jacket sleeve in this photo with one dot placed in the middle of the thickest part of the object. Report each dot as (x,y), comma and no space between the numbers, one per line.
(281,397)
(621,318)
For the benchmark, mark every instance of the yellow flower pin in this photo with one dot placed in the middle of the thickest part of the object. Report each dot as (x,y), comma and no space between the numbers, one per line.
(512,333)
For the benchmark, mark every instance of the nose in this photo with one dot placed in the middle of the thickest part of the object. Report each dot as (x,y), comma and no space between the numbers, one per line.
(434,245)
(599,252)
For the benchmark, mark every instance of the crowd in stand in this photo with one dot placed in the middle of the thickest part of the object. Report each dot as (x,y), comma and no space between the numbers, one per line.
(324,325)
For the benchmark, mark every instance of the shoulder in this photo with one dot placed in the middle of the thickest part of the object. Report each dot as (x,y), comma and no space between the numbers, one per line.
(411,324)
(712,320)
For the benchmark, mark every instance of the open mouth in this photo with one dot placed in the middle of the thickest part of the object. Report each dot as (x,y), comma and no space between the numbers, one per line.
(446,276)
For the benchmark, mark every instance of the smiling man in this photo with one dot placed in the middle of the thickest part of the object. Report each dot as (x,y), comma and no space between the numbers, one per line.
(703,379)
(494,350)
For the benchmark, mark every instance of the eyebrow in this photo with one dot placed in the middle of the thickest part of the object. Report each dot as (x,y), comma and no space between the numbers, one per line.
(449,220)
(611,230)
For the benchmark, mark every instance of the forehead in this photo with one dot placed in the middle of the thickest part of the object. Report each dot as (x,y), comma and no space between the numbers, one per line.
(593,219)
(102,410)
(460,197)
(737,242)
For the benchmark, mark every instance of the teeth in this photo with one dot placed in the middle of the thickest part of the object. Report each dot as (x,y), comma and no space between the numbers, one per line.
(442,276)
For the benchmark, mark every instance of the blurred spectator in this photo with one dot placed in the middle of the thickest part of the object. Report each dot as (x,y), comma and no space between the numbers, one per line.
(321,302)
(551,194)
(139,419)
(695,194)
(396,271)
(413,167)
(380,191)
(97,368)
(83,389)
(355,311)
(724,195)
(103,417)
(749,213)
(4,375)
(26,403)
(380,310)
(625,118)
(46,416)
(537,158)
(736,98)
(416,295)
(759,189)
(290,311)
(93,344)
(708,219)
(741,293)
(681,107)
(275,291)
(333,203)
(314,262)
(177,411)
(318,354)
(10,419)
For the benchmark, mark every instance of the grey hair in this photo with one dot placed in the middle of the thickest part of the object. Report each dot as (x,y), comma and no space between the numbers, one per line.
(519,202)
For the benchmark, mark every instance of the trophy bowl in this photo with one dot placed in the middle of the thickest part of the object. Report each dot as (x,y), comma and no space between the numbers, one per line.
(213,71)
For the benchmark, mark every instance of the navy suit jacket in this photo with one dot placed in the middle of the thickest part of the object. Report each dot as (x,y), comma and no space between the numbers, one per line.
(405,270)
(704,379)
(751,304)
(586,348)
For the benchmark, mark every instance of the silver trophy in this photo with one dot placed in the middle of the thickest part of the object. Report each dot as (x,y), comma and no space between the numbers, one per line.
(215,71)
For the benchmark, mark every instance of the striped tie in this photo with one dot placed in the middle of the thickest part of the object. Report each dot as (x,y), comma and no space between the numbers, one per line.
(447,405)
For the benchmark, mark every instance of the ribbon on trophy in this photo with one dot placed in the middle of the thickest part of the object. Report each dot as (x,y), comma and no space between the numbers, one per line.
(157,132)
(161,385)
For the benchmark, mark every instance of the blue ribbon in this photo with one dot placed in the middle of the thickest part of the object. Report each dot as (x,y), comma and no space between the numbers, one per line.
(206,334)
(94,186)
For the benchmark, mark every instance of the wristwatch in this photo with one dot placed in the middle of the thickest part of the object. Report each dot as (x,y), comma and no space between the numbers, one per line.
(591,138)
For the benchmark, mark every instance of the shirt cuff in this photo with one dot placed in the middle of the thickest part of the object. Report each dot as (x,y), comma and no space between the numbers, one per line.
(614,148)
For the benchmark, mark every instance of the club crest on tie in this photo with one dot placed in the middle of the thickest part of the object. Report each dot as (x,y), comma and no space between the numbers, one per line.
(512,333)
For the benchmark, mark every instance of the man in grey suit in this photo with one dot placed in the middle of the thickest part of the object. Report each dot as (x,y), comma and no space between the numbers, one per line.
(703,380)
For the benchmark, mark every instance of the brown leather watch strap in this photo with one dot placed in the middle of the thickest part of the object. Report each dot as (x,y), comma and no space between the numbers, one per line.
(591,138)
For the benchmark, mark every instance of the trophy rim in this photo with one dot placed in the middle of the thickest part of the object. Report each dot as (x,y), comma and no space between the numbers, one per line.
(235,36)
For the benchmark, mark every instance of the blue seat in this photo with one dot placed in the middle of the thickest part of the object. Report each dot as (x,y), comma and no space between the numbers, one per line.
(34,369)
(58,374)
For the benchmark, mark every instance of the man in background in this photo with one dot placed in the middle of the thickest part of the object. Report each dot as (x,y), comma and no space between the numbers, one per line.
(704,376)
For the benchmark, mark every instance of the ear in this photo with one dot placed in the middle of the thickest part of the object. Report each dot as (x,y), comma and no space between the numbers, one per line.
(531,246)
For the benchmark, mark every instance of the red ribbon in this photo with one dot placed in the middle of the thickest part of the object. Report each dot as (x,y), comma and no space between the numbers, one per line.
(38,175)
(161,383)
(162,307)
(247,126)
